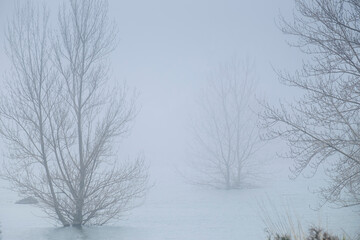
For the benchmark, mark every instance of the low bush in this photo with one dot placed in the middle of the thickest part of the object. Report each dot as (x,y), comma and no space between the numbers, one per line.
(315,233)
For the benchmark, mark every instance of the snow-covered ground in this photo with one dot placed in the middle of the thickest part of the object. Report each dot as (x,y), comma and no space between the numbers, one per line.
(175,210)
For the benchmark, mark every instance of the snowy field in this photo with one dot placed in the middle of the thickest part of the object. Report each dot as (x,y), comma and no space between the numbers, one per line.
(175,210)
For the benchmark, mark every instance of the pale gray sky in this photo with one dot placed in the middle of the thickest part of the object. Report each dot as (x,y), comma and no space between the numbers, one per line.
(166,49)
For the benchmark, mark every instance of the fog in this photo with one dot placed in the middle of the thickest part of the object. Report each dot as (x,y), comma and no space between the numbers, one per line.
(165,51)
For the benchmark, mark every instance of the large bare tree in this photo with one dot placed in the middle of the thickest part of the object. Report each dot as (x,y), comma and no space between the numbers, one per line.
(62,118)
(322,127)
(225,135)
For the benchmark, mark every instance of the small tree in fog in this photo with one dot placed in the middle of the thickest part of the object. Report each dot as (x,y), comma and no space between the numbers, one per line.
(322,127)
(226,136)
(61,118)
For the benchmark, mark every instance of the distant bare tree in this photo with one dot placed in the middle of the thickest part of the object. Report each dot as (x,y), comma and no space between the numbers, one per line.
(61,119)
(322,127)
(226,136)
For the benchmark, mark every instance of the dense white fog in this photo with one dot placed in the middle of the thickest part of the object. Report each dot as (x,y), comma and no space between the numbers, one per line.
(167,52)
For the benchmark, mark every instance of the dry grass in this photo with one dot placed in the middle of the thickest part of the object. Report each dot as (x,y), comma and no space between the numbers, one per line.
(280,225)
(286,225)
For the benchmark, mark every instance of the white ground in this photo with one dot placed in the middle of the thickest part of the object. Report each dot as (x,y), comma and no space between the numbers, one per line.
(174,210)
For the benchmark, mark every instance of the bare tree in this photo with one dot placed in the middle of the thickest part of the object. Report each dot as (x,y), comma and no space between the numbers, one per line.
(322,127)
(226,136)
(61,118)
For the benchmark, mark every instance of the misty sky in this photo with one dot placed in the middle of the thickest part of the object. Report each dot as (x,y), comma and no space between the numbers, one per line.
(167,48)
